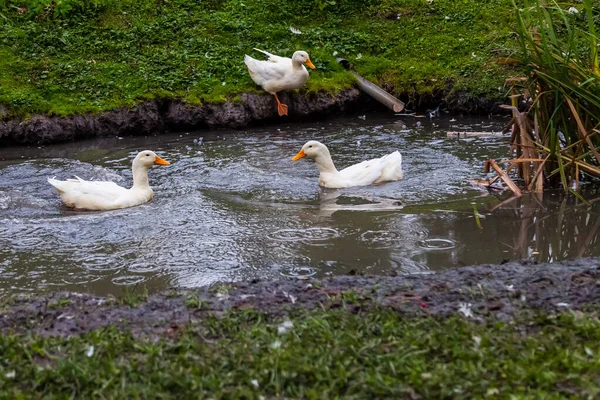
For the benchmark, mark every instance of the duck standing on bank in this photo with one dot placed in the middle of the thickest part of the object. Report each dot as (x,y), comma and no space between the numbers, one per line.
(279,73)
(102,195)
(384,169)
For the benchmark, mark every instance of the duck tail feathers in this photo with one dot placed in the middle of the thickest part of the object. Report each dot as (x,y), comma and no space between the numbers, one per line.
(248,60)
(56,183)
(264,52)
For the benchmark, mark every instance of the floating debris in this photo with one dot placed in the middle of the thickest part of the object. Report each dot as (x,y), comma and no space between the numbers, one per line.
(434,113)
(295,31)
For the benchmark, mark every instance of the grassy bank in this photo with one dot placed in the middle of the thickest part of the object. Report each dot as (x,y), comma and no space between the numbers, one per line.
(72,56)
(319,354)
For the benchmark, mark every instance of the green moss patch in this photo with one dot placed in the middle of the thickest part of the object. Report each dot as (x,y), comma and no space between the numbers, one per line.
(77,56)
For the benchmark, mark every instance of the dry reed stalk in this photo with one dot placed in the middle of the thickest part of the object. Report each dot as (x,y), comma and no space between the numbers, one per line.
(503,175)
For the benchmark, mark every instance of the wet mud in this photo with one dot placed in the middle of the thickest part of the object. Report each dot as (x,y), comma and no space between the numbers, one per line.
(157,116)
(499,292)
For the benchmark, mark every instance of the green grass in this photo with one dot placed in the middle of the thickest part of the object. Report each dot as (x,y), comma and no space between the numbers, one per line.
(326,354)
(74,56)
(62,302)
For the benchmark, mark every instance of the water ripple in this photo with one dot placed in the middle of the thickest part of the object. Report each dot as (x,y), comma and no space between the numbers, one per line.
(236,207)
(128,280)
(380,239)
(308,235)
(297,271)
(436,244)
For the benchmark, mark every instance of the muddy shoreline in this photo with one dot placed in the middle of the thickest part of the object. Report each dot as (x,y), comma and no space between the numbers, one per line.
(499,292)
(157,116)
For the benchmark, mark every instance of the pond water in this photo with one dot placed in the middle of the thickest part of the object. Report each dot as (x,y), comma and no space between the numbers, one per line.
(233,206)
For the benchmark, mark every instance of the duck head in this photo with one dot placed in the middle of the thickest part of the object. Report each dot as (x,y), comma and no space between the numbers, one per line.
(312,149)
(301,57)
(148,158)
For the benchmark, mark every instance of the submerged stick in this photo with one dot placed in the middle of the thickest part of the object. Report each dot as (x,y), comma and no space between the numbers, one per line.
(470,134)
(476,214)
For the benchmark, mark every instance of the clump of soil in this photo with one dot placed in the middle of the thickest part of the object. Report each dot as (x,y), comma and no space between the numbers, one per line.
(487,291)
(157,116)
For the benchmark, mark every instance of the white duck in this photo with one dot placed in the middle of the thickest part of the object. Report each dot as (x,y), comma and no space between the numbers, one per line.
(377,170)
(103,195)
(279,73)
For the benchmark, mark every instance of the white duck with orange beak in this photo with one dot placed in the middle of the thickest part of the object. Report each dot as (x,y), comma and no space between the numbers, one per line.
(385,169)
(279,73)
(103,195)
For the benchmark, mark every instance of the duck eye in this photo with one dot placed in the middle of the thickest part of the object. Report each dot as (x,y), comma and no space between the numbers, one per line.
(147,155)
(310,146)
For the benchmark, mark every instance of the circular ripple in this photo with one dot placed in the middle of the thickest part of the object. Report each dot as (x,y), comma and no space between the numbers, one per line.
(436,244)
(380,239)
(297,272)
(98,262)
(306,235)
(141,267)
(81,280)
(128,280)
(287,235)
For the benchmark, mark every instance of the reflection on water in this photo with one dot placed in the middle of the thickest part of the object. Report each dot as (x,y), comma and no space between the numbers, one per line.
(234,207)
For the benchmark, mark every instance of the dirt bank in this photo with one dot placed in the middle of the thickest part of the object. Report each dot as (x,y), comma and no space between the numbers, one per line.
(158,116)
(487,291)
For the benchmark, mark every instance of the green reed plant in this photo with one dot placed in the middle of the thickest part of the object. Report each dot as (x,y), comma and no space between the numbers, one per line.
(556,141)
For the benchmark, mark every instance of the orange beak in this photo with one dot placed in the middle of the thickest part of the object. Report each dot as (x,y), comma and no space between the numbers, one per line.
(160,161)
(301,154)
(310,64)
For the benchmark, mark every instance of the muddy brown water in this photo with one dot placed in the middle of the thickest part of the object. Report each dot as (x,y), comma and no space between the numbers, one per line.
(233,207)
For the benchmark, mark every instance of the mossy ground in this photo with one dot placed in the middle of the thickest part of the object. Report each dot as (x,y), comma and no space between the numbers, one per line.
(515,330)
(78,56)
(318,354)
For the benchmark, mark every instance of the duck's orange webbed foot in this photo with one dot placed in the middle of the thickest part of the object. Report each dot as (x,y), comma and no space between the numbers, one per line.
(282,109)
